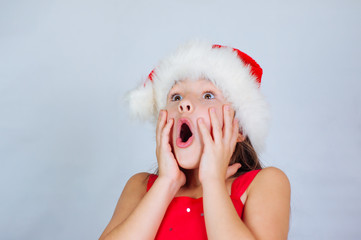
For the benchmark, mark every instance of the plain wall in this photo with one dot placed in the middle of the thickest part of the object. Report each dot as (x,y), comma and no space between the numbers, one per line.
(67,145)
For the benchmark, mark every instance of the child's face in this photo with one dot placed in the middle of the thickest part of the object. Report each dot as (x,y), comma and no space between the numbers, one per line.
(187,101)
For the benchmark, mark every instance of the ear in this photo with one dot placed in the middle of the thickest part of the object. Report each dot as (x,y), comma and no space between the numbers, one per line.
(240,137)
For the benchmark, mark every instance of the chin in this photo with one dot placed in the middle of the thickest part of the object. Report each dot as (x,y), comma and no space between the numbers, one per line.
(187,159)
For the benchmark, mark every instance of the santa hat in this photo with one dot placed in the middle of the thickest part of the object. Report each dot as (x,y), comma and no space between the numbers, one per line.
(235,73)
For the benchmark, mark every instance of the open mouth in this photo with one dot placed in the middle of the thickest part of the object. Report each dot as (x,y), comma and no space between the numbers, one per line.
(185,136)
(185,132)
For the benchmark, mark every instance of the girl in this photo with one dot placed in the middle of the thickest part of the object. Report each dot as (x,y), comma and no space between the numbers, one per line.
(211,124)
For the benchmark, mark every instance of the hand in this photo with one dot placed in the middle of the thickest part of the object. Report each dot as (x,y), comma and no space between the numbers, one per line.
(168,165)
(218,150)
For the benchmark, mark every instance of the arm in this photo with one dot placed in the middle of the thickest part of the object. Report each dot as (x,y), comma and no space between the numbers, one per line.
(138,214)
(266,212)
(221,218)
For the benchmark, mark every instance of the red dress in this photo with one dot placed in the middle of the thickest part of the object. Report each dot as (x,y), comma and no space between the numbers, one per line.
(184,218)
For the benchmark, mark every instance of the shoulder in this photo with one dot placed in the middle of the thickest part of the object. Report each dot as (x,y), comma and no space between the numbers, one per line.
(139,178)
(270,181)
(271,176)
(269,188)
(135,188)
(137,183)
(133,192)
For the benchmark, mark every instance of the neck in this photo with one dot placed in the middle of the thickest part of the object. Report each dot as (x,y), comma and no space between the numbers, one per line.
(192,178)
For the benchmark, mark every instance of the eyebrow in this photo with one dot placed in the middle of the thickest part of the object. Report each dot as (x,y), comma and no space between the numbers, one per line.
(210,86)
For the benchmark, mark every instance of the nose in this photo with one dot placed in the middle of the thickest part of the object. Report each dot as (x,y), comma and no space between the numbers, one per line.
(185,106)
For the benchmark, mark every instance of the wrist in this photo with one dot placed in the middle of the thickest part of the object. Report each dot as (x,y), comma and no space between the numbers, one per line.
(171,184)
(214,189)
(212,182)
(210,177)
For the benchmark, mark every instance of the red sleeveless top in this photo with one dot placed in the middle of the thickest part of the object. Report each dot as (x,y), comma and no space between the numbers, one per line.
(184,218)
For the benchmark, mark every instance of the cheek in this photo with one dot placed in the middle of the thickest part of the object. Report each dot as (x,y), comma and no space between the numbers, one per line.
(207,119)
(218,106)
(171,112)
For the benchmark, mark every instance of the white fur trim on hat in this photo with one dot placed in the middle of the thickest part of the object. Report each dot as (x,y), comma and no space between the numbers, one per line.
(224,68)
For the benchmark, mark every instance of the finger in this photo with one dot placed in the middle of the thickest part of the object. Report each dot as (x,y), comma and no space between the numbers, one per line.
(166,132)
(160,124)
(216,127)
(228,116)
(158,127)
(207,139)
(231,170)
(235,131)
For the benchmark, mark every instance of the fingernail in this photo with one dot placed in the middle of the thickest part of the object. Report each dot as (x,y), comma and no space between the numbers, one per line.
(212,109)
(227,107)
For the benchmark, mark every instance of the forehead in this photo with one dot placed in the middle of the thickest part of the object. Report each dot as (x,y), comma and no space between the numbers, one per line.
(194,84)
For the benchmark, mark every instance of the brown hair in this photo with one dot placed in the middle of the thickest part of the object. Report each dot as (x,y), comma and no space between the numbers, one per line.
(245,154)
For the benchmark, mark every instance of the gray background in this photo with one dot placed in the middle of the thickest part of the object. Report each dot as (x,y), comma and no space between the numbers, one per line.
(67,146)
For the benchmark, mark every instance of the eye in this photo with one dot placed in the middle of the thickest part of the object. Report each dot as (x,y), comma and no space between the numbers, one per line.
(208,95)
(176,97)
